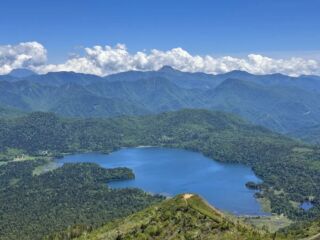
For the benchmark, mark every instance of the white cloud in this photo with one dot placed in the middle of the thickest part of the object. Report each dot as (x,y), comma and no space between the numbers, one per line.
(22,55)
(104,60)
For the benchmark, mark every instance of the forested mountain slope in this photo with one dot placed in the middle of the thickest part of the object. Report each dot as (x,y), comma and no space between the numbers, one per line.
(33,206)
(276,107)
(308,134)
(284,164)
(281,103)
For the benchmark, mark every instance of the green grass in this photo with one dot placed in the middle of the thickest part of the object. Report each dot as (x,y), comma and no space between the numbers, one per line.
(265,204)
(270,223)
(17,155)
(182,217)
(45,168)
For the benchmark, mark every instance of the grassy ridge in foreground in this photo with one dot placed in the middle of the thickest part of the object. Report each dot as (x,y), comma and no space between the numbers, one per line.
(186,216)
(183,217)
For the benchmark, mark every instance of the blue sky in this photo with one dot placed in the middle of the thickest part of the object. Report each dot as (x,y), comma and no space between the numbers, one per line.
(232,27)
(109,36)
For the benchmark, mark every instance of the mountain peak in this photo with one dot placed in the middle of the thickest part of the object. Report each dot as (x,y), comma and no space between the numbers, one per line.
(196,218)
(21,73)
(167,68)
(238,73)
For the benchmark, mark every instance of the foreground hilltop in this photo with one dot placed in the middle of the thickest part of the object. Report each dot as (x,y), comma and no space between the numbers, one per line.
(186,216)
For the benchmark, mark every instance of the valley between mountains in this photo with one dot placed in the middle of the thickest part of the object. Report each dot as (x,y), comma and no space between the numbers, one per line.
(278,102)
(268,123)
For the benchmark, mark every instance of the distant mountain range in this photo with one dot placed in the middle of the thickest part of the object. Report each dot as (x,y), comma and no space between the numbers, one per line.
(279,102)
(21,73)
(308,134)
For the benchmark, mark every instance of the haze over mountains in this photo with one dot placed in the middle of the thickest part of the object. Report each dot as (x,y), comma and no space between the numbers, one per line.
(279,102)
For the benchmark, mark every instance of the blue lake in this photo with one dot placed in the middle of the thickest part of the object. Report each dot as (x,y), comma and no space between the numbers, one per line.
(306,205)
(172,171)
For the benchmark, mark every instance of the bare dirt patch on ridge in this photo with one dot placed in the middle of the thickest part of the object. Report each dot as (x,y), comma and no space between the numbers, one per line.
(187,196)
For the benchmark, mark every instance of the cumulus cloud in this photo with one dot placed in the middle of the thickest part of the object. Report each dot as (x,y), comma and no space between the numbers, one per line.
(23,55)
(104,60)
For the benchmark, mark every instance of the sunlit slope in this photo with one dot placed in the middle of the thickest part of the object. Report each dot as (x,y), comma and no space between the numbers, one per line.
(183,217)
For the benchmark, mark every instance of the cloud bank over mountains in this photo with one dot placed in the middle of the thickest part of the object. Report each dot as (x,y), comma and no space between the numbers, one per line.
(105,60)
(23,55)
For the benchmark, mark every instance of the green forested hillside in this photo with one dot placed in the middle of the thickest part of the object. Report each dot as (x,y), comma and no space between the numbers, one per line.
(307,230)
(75,194)
(281,103)
(290,170)
(308,134)
(281,108)
(6,112)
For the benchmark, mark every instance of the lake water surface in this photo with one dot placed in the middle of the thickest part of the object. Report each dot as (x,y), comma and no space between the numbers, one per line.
(173,171)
